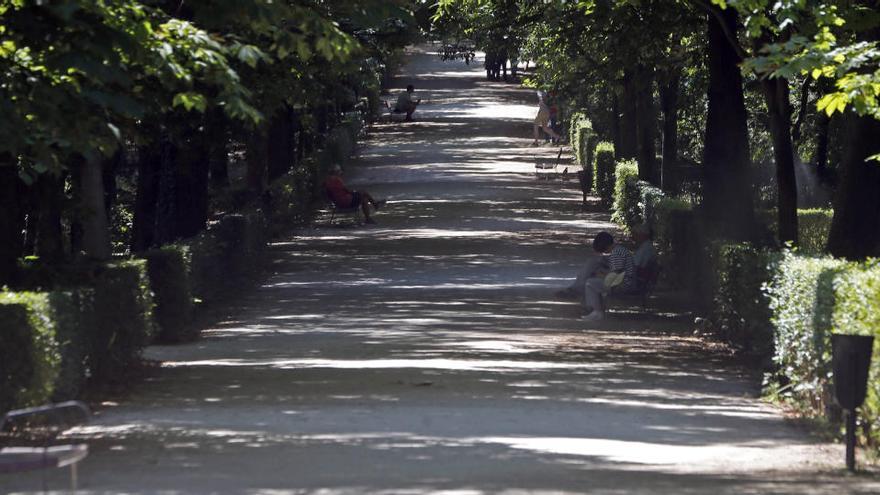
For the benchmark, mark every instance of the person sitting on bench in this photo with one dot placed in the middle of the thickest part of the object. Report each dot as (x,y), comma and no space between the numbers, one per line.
(406,103)
(343,197)
(592,281)
(645,256)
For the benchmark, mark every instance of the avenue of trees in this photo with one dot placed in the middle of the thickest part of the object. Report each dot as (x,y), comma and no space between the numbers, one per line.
(766,105)
(123,119)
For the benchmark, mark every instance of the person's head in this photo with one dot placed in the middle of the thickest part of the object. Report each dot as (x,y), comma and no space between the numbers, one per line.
(335,169)
(410,88)
(603,242)
(641,233)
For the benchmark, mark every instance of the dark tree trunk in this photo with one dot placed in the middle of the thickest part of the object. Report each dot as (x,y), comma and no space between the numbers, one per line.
(669,91)
(727,192)
(855,229)
(96,228)
(820,159)
(143,233)
(49,191)
(76,223)
(615,120)
(256,155)
(11,219)
(280,146)
(628,120)
(183,186)
(646,125)
(216,131)
(776,94)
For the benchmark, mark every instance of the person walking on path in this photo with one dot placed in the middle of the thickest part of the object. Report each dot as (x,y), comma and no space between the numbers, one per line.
(347,198)
(542,120)
(407,102)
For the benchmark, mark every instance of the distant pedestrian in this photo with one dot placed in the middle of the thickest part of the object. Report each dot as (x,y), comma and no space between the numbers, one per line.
(542,119)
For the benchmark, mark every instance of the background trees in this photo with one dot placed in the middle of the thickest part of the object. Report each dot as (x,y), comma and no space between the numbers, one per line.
(120,117)
(762,104)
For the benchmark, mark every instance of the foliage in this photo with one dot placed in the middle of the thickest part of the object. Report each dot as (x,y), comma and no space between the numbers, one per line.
(73,311)
(625,211)
(604,169)
(741,313)
(581,131)
(29,357)
(857,311)
(123,319)
(169,283)
(801,300)
(813,227)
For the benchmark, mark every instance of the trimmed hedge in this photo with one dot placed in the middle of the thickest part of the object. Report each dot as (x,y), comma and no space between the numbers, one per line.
(813,227)
(741,312)
(857,311)
(123,319)
(604,172)
(625,209)
(581,136)
(169,281)
(29,357)
(75,320)
(801,300)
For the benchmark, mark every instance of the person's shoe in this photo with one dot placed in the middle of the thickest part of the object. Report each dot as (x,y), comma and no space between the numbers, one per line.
(379,204)
(595,316)
(370,221)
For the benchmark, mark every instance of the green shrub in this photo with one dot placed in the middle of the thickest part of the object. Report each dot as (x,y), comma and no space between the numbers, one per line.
(661,221)
(741,311)
(123,319)
(604,172)
(169,281)
(813,227)
(29,358)
(581,137)
(801,298)
(857,311)
(74,314)
(625,210)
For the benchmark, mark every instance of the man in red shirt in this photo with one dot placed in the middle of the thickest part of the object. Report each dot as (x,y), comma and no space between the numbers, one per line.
(343,197)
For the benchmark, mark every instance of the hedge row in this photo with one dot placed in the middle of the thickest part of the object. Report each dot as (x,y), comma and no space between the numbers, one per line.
(604,172)
(581,136)
(87,324)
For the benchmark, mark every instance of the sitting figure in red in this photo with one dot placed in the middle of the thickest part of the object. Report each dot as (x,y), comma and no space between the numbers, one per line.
(343,197)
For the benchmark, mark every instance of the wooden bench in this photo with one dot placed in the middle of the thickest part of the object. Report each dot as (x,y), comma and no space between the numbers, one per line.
(353,211)
(38,427)
(546,169)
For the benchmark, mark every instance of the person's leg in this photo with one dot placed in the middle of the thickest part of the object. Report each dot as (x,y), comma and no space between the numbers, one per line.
(537,133)
(551,132)
(593,290)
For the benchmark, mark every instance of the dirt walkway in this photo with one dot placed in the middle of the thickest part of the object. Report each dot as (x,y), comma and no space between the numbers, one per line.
(426,355)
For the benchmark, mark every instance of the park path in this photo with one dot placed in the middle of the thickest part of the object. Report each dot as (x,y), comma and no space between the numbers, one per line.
(426,354)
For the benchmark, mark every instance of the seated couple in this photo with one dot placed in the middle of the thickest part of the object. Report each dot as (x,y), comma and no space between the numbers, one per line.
(344,197)
(611,269)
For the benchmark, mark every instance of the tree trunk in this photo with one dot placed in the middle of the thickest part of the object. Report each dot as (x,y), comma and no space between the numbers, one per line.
(615,119)
(49,190)
(776,94)
(280,146)
(216,130)
(96,231)
(669,91)
(143,232)
(628,148)
(727,191)
(11,219)
(189,203)
(256,156)
(820,158)
(855,229)
(646,125)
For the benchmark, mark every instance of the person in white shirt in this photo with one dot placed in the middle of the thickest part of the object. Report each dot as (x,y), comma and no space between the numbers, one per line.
(542,120)
(407,102)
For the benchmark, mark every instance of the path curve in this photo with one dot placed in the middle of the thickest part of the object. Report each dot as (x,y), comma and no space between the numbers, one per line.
(425,354)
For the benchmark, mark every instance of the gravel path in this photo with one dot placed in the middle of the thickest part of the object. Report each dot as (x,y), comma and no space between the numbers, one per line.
(426,355)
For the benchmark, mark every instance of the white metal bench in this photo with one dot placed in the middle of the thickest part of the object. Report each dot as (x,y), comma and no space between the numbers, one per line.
(43,423)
